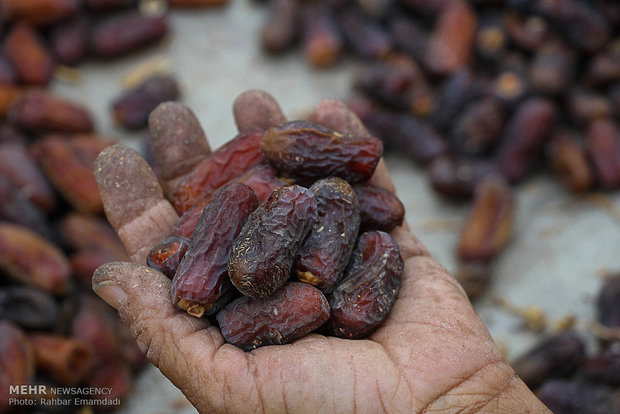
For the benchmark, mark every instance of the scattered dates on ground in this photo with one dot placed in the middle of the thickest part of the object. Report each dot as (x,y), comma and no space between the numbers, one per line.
(277,242)
(475,88)
(53,330)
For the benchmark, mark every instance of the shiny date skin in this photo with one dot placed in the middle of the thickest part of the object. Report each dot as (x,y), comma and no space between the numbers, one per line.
(364,297)
(263,253)
(201,284)
(308,150)
(326,251)
(290,313)
(380,209)
(167,255)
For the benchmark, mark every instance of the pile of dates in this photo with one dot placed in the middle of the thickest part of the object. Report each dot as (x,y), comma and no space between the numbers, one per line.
(566,377)
(280,234)
(475,88)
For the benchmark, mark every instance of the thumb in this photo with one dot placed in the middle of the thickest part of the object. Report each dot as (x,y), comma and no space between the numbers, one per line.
(171,340)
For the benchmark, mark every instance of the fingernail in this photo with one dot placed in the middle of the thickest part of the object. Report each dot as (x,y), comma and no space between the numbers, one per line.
(110,292)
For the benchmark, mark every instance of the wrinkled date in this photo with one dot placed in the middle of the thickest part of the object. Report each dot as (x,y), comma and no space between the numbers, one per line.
(16,360)
(224,164)
(292,312)
(326,251)
(28,307)
(167,255)
(201,284)
(368,290)
(308,150)
(380,209)
(263,253)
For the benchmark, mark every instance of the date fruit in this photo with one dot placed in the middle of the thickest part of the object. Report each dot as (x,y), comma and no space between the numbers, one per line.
(227,162)
(380,209)
(201,284)
(364,297)
(263,253)
(291,313)
(326,251)
(16,360)
(166,256)
(28,307)
(308,150)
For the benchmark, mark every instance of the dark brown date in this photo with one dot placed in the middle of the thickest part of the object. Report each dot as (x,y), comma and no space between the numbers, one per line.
(40,111)
(260,178)
(451,42)
(325,252)
(603,146)
(69,40)
(66,360)
(364,297)
(584,106)
(29,307)
(453,94)
(557,356)
(308,150)
(227,162)
(30,259)
(166,256)
(608,302)
(38,12)
(478,127)
(553,68)
(26,51)
(525,136)
(263,253)
(527,32)
(17,208)
(569,162)
(18,165)
(132,108)
(409,36)
(201,284)
(321,37)
(457,177)
(290,313)
(122,34)
(488,227)
(16,360)
(363,35)
(69,164)
(380,209)
(282,28)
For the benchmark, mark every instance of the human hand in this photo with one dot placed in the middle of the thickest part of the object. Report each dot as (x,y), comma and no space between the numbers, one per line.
(431,354)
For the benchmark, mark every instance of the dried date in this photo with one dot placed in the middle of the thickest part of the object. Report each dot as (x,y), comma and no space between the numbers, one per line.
(289,314)
(26,51)
(263,253)
(364,297)
(166,256)
(603,146)
(380,209)
(227,162)
(325,252)
(29,307)
(16,360)
(201,284)
(488,227)
(66,360)
(308,150)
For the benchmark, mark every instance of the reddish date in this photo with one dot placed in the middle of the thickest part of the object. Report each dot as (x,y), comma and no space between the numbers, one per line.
(308,150)
(201,283)
(167,255)
(368,290)
(263,253)
(291,313)
(326,251)
(226,163)
(380,209)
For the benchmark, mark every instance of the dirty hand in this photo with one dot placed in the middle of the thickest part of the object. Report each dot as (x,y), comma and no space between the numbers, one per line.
(432,353)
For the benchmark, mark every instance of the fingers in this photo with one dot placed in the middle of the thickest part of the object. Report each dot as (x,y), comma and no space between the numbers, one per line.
(173,341)
(256,108)
(133,200)
(178,140)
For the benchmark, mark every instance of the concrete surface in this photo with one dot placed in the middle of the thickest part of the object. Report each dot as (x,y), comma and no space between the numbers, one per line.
(561,244)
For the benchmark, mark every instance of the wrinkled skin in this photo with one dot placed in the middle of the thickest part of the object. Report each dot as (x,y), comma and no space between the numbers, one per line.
(432,354)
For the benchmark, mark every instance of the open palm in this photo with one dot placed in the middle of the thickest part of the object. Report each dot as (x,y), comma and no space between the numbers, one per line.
(432,354)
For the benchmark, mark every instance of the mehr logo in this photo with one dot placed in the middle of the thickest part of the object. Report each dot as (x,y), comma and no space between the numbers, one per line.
(27,389)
